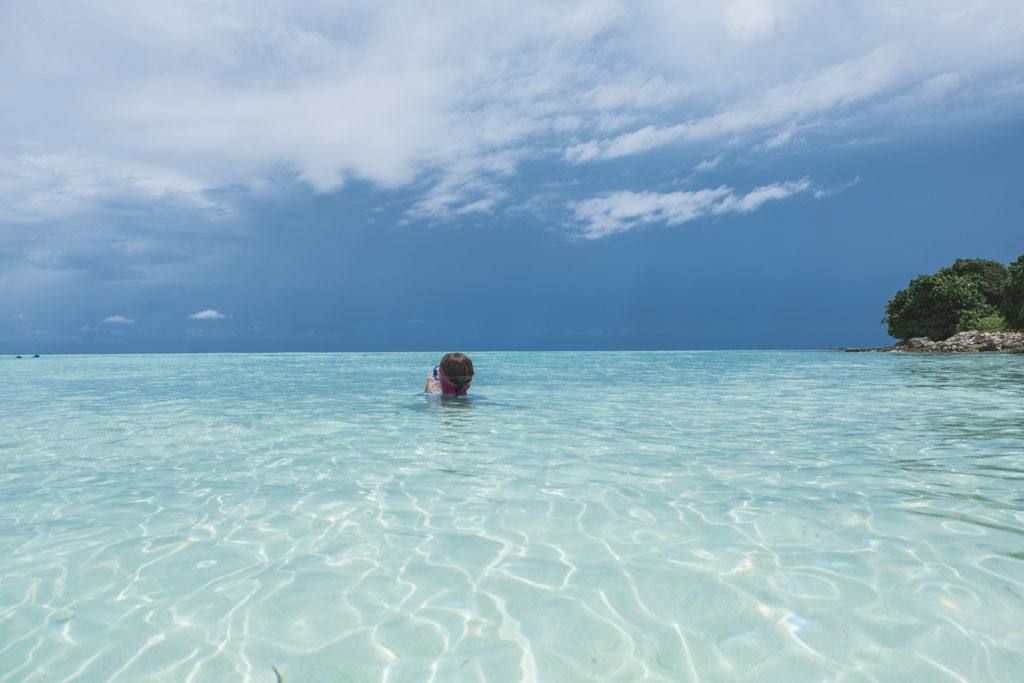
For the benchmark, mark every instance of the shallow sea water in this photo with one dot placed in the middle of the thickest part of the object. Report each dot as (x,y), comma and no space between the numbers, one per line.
(667,516)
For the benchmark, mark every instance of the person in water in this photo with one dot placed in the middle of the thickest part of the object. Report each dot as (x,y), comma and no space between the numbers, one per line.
(451,376)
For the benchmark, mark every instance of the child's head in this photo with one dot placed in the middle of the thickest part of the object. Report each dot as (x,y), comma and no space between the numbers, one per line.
(456,373)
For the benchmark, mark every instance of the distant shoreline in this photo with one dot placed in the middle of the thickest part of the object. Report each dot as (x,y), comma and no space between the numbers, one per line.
(970,341)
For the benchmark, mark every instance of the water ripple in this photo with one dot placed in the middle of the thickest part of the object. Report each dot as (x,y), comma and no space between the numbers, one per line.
(598,516)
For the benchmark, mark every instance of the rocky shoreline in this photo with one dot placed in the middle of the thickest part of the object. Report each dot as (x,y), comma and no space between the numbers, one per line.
(964,342)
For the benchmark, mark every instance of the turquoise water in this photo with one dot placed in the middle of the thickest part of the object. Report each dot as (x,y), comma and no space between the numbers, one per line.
(585,516)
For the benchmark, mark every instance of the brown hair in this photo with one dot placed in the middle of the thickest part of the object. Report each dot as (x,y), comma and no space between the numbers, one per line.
(458,367)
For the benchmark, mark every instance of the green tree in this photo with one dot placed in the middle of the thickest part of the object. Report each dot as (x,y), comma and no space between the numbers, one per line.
(979,322)
(989,275)
(932,306)
(1013,295)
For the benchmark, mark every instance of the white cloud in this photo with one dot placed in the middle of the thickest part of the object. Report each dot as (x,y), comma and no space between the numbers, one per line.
(625,210)
(751,19)
(21,316)
(165,101)
(708,164)
(838,85)
(465,188)
(758,196)
(208,314)
(820,192)
(118,320)
(385,93)
(910,62)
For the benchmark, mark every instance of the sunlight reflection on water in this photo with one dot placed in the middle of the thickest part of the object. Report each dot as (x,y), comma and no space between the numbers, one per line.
(597,516)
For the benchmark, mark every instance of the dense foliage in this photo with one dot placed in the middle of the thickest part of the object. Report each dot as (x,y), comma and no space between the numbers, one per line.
(972,294)
(990,276)
(932,306)
(1013,295)
(980,322)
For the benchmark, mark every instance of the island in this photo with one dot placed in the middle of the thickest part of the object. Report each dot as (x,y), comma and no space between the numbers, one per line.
(975,305)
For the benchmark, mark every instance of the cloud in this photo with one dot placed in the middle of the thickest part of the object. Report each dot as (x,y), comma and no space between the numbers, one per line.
(826,89)
(708,164)
(911,63)
(820,192)
(751,19)
(390,93)
(625,210)
(467,188)
(59,183)
(21,316)
(208,314)
(446,100)
(118,320)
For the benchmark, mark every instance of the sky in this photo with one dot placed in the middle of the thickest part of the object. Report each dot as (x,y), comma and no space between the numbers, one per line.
(345,176)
